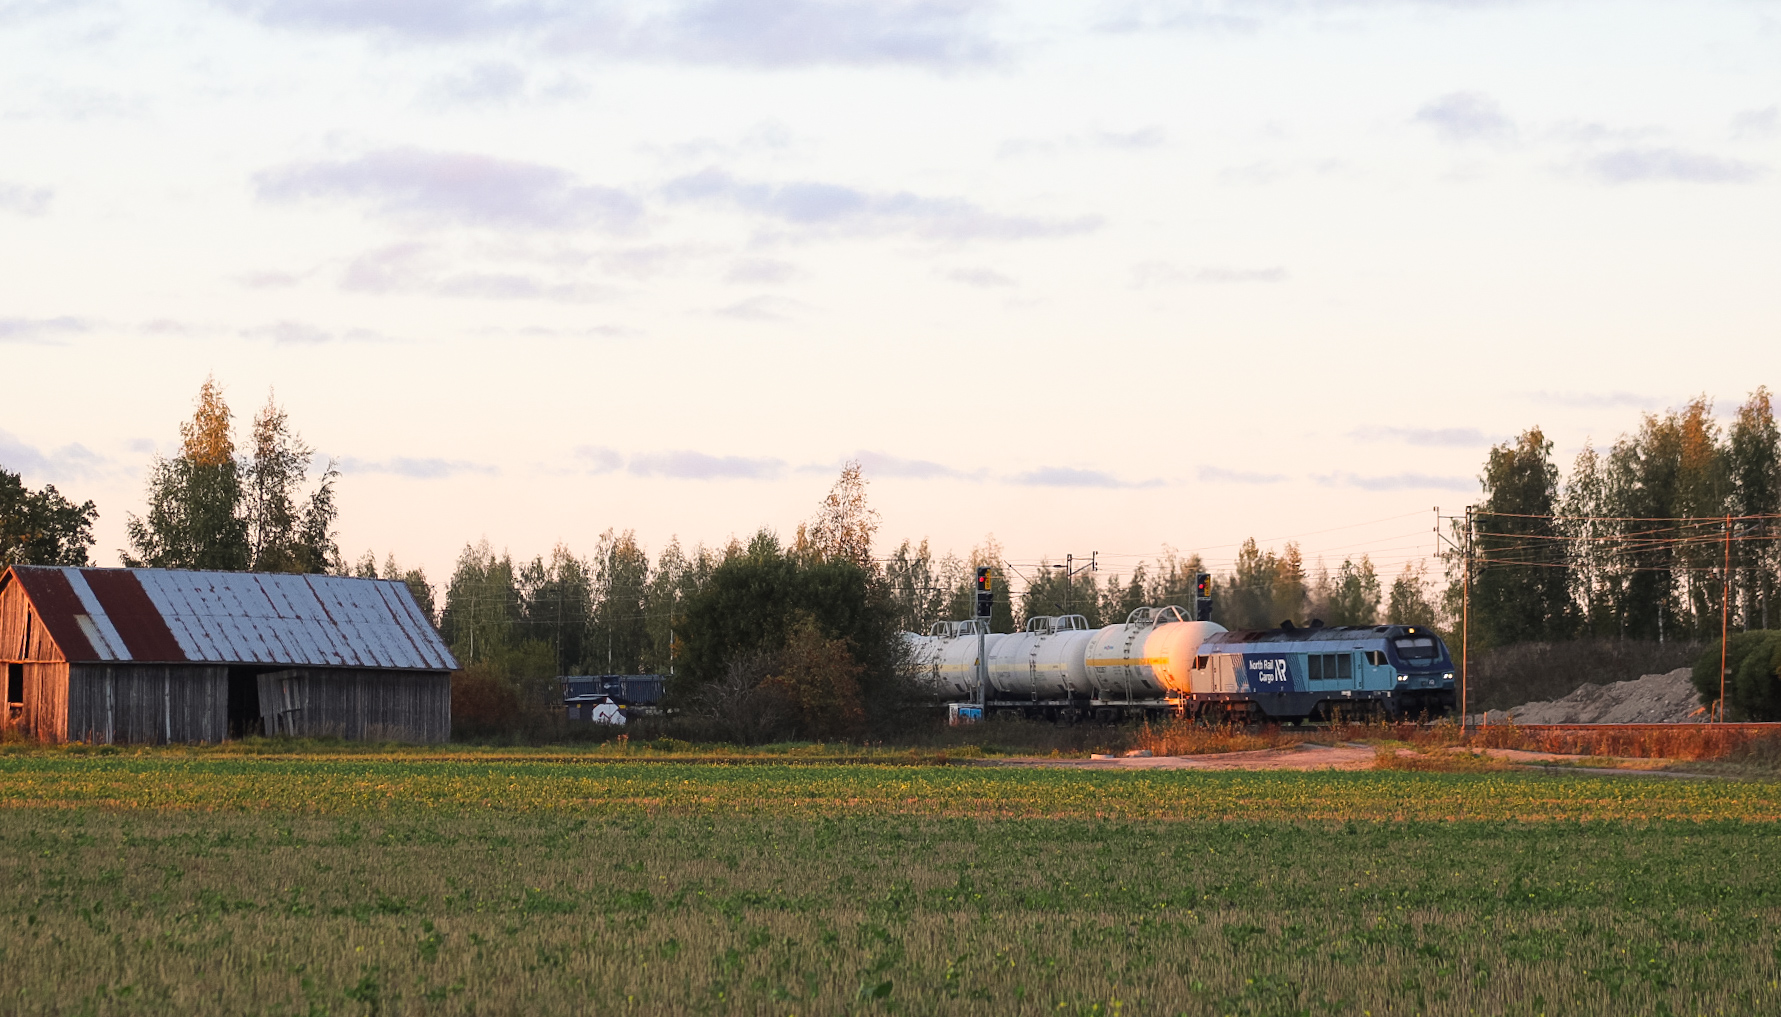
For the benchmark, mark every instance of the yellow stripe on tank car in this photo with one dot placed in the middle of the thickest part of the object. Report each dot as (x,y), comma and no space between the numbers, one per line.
(1126,661)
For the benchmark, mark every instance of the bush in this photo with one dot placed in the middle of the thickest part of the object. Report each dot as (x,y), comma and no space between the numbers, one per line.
(1752,660)
(782,644)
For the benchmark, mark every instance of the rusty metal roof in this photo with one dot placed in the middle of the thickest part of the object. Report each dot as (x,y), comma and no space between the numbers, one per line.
(172,616)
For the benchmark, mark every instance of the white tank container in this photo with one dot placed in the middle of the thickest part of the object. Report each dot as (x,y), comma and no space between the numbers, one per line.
(948,656)
(1151,656)
(924,662)
(1043,662)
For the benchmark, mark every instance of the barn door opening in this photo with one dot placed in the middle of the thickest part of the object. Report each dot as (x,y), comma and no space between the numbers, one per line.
(15,693)
(244,702)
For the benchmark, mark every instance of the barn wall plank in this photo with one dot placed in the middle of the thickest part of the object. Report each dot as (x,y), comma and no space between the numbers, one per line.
(357,704)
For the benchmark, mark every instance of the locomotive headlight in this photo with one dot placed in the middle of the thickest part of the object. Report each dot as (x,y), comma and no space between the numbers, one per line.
(1447,677)
(1403,677)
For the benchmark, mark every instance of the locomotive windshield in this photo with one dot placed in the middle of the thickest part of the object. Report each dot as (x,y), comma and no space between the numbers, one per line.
(1417,648)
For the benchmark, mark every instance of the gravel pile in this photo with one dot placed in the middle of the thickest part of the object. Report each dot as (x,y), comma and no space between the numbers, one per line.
(1653,699)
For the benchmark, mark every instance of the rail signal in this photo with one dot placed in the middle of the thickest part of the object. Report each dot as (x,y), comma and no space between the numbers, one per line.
(1203,596)
(986,597)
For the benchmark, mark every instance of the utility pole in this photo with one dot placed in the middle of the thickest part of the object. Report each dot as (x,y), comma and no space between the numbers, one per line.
(1465,633)
(1070,570)
(986,602)
(1725,612)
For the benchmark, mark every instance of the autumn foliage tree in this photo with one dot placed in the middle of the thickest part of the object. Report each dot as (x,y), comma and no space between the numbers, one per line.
(212,508)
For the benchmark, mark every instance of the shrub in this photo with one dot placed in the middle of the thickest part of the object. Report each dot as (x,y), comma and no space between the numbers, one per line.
(1752,660)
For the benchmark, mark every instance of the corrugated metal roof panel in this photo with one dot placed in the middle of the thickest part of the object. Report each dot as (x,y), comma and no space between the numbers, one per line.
(234,618)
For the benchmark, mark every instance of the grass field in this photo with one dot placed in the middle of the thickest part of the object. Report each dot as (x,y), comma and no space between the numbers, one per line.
(194,883)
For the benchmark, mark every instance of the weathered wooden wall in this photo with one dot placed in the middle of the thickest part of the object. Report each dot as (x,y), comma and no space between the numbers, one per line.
(23,639)
(146,702)
(356,704)
(22,635)
(45,713)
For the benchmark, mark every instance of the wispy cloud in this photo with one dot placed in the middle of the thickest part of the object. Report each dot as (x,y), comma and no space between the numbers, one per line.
(1161,273)
(1466,116)
(1398,482)
(1597,400)
(980,277)
(598,458)
(1133,140)
(761,271)
(1220,475)
(70,462)
(883,464)
(426,188)
(41,331)
(1066,476)
(1454,437)
(1647,165)
(1223,274)
(760,308)
(1756,124)
(836,209)
(23,200)
(492,82)
(685,465)
(762,33)
(270,280)
(416,469)
(299,333)
(422,268)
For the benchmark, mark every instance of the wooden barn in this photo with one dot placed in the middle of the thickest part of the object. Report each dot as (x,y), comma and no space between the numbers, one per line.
(163,655)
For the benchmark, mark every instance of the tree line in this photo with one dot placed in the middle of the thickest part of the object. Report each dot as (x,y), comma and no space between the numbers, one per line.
(1660,536)
(801,634)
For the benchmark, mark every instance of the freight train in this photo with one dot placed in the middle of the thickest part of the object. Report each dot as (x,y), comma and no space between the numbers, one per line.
(1162,662)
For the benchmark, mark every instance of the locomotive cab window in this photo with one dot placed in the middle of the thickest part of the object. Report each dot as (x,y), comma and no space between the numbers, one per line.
(1417,648)
(1376,658)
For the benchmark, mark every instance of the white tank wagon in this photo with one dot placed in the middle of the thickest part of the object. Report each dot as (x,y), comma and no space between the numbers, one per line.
(1059,667)
(1044,662)
(945,660)
(1149,657)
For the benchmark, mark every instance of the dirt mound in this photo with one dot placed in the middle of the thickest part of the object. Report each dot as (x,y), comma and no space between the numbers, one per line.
(1653,699)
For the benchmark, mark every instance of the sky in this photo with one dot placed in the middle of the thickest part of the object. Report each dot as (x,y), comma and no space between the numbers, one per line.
(1104,277)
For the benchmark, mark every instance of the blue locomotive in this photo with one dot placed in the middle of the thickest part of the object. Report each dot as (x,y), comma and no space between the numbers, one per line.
(1316,672)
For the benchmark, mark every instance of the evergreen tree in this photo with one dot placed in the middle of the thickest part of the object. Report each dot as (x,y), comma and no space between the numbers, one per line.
(1354,595)
(916,586)
(483,610)
(1521,586)
(1053,591)
(1411,601)
(1753,463)
(1264,590)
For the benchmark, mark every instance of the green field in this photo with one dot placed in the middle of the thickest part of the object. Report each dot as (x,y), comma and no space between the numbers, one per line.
(191,883)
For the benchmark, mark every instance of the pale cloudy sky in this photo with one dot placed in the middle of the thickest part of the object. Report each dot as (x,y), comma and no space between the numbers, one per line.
(1092,277)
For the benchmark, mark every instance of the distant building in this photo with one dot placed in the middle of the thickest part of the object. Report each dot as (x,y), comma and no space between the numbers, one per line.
(159,655)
